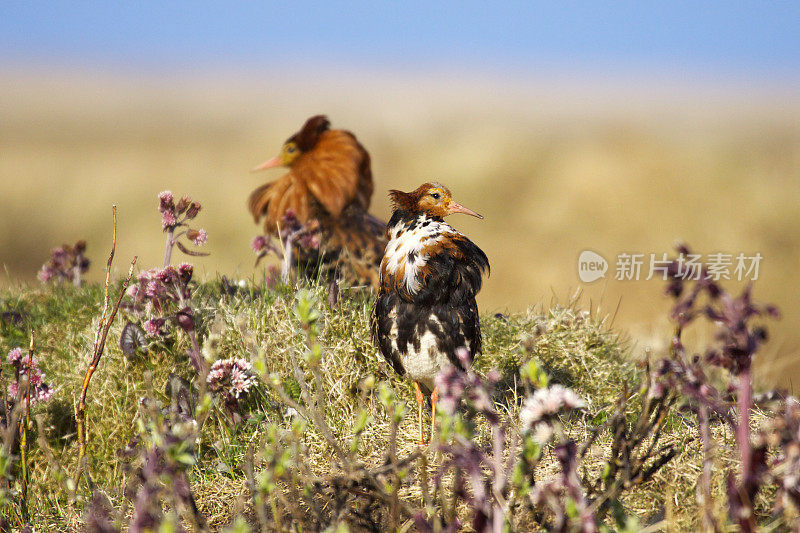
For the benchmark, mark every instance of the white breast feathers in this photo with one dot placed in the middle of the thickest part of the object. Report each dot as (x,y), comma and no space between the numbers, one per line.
(406,248)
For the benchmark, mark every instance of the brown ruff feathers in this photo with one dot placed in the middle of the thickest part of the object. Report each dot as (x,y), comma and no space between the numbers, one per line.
(320,183)
(330,181)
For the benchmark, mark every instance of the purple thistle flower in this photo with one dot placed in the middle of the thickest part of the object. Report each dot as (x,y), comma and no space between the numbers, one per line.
(154,289)
(43,393)
(153,326)
(14,355)
(36,372)
(45,274)
(232,378)
(166,201)
(183,203)
(310,241)
(168,220)
(28,367)
(450,383)
(463,355)
(167,275)
(258,243)
(185,271)
(289,222)
(194,208)
(198,237)
(540,409)
(133,292)
(66,263)
(25,361)
(144,275)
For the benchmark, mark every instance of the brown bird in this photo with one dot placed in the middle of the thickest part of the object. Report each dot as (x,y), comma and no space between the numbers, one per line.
(425,311)
(327,190)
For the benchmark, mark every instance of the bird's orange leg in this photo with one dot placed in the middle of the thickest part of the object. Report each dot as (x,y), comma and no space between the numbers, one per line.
(434,401)
(420,398)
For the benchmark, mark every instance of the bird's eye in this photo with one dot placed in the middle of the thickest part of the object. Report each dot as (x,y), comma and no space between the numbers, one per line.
(291,149)
(436,195)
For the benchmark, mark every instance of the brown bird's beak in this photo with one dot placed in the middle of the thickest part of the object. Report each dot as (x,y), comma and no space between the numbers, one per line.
(458,208)
(269,163)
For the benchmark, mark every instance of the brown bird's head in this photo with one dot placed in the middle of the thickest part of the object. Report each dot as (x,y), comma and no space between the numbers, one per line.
(301,142)
(432,199)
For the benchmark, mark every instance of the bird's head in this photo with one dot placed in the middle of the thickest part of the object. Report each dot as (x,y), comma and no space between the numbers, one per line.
(301,142)
(429,198)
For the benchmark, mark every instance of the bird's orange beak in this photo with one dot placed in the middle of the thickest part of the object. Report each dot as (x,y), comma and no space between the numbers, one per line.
(269,163)
(458,208)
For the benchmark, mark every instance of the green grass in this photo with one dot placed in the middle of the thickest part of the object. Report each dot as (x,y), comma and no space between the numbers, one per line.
(576,349)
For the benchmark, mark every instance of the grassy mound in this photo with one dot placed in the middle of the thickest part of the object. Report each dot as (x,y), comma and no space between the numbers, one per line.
(234,463)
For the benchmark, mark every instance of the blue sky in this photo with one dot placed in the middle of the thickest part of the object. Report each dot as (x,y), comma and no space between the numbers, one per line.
(750,39)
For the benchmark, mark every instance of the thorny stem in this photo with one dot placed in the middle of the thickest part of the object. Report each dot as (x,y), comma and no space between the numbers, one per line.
(288,252)
(743,429)
(394,502)
(24,425)
(99,345)
(423,478)
(198,361)
(510,506)
(499,484)
(705,495)
(392,453)
(458,481)
(168,250)
(744,401)
(76,272)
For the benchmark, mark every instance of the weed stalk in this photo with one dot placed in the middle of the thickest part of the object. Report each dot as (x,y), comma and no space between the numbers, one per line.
(103,327)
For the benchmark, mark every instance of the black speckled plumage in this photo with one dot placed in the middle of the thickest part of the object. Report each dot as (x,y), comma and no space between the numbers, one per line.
(430,275)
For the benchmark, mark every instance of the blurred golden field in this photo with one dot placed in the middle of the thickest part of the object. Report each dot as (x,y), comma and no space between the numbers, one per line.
(556,167)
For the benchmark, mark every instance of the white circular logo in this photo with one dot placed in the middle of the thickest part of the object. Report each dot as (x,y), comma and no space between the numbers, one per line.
(591,266)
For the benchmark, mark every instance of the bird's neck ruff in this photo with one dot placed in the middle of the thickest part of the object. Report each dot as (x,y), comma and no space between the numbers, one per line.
(413,240)
(320,183)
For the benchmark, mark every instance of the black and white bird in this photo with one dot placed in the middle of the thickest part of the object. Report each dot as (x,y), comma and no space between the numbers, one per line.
(430,273)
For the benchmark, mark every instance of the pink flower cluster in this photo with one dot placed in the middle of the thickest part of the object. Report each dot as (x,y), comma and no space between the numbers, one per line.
(66,263)
(260,243)
(174,215)
(305,239)
(23,365)
(456,385)
(159,291)
(197,236)
(231,377)
(307,235)
(540,410)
